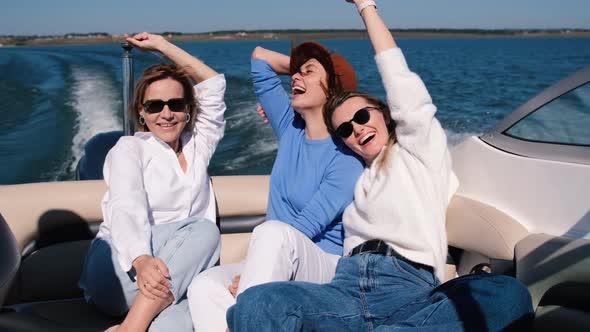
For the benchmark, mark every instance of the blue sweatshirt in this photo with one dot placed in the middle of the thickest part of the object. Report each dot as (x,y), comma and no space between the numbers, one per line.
(312,181)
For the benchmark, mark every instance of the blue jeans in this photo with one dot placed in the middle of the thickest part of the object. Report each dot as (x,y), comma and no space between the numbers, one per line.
(187,247)
(380,293)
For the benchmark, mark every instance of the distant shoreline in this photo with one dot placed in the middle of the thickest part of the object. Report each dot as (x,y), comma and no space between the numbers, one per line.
(298,35)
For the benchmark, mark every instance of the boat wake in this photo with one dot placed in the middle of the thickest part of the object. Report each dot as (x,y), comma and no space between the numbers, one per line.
(455,138)
(96,102)
(249,143)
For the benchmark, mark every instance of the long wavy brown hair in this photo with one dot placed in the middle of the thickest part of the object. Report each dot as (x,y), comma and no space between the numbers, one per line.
(159,72)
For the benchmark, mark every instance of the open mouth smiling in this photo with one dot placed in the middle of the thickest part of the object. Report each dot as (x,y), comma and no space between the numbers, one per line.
(297,90)
(366,139)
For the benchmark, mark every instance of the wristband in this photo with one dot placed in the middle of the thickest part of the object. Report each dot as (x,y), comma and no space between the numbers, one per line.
(364,4)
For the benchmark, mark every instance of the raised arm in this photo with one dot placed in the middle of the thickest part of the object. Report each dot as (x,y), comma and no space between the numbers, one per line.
(417,130)
(279,62)
(266,65)
(197,69)
(378,32)
(209,91)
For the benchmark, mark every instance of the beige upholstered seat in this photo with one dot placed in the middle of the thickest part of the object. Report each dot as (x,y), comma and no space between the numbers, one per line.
(556,270)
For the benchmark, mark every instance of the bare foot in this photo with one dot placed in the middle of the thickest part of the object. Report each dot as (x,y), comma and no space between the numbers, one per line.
(113,328)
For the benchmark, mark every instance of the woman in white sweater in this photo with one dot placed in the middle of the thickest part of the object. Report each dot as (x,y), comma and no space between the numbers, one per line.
(395,241)
(158,230)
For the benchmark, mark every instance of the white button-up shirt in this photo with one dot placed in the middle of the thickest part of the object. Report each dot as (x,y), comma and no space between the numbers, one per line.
(146,185)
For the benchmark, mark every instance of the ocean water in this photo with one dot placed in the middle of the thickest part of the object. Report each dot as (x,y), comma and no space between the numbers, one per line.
(54,98)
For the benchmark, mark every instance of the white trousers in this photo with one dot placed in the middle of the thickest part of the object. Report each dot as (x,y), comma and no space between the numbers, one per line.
(277,252)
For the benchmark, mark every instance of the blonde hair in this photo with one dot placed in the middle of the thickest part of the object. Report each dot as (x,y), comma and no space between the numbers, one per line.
(338,99)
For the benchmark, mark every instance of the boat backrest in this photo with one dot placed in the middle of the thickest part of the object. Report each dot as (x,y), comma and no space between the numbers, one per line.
(478,227)
(41,211)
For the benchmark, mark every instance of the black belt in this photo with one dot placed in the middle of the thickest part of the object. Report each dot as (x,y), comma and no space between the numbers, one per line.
(379,247)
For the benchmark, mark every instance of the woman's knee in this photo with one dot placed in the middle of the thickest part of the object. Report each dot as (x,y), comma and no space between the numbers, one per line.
(272,231)
(514,292)
(504,299)
(513,304)
(203,234)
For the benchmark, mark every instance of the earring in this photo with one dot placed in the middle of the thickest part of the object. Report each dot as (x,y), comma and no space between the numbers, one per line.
(188,117)
(141,120)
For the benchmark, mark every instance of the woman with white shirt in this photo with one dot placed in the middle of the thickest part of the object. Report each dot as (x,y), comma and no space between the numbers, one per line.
(158,230)
(395,241)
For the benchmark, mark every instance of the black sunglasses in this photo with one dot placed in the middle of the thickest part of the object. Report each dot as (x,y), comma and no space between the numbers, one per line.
(153,106)
(361,116)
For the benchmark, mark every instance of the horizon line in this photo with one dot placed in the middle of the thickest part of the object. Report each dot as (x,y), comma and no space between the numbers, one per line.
(311,30)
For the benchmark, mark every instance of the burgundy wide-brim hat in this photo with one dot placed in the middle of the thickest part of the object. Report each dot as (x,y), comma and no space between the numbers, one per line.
(313,50)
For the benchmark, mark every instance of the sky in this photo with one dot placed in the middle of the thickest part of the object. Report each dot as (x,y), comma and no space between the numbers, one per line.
(48,17)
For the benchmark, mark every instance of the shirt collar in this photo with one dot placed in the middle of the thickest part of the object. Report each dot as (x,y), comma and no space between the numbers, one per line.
(147,136)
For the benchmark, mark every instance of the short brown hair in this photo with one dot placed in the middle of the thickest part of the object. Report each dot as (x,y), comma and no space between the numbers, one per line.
(156,73)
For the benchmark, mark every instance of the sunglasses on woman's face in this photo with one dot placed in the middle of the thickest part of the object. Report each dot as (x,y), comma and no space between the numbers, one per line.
(361,116)
(153,106)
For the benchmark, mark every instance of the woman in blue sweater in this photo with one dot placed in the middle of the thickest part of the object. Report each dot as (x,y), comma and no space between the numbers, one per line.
(311,183)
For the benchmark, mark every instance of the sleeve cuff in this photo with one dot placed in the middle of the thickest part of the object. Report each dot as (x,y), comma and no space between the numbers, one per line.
(126,259)
(212,85)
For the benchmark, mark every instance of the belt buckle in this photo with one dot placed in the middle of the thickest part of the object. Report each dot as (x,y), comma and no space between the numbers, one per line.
(375,247)
(371,246)
(382,248)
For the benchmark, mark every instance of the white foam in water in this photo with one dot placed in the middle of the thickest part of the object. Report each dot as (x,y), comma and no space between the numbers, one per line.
(253,152)
(455,138)
(96,102)
(246,120)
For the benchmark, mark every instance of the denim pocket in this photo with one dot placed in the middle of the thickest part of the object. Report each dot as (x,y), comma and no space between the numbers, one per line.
(420,275)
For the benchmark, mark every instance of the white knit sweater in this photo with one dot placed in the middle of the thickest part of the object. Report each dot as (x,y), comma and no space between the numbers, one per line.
(404,202)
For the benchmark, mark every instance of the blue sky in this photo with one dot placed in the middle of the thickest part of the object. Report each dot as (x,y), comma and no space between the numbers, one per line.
(64,16)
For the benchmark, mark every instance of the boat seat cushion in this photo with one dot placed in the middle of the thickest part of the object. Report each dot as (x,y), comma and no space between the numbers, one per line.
(481,228)
(74,314)
(50,273)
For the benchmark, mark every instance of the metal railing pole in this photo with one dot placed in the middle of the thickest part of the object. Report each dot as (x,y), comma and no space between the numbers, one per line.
(127,59)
